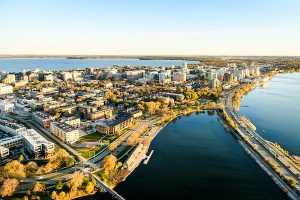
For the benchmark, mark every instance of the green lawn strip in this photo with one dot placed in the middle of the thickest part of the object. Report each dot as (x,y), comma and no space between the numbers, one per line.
(88,152)
(91,137)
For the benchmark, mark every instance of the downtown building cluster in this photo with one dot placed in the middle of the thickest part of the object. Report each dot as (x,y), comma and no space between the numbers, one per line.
(72,102)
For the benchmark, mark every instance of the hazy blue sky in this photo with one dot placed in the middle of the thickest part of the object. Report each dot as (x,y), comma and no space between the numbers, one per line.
(197,27)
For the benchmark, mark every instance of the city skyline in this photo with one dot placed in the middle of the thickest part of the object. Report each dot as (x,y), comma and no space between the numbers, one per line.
(251,27)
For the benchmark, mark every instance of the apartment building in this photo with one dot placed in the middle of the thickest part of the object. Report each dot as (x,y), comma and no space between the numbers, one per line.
(42,118)
(73,121)
(37,145)
(12,142)
(64,132)
(100,114)
(115,125)
(11,127)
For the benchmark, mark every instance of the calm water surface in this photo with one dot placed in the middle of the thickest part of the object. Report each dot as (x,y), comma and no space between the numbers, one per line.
(195,158)
(275,111)
(15,65)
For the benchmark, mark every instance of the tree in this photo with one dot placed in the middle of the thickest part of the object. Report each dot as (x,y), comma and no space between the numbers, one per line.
(54,195)
(15,169)
(89,187)
(220,106)
(39,187)
(179,90)
(292,181)
(76,180)
(109,163)
(25,198)
(93,181)
(118,165)
(21,158)
(31,167)
(140,106)
(62,194)
(8,187)
(59,185)
(112,146)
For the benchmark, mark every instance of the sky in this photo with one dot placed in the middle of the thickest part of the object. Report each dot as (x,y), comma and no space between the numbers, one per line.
(150,27)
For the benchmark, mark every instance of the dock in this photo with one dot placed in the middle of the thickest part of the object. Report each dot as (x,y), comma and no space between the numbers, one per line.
(147,158)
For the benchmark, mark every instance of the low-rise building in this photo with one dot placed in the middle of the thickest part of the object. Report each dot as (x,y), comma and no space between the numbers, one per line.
(42,118)
(73,121)
(5,89)
(100,114)
(70,109)
(64,132)
(37,145)
(137,114)
(114,125)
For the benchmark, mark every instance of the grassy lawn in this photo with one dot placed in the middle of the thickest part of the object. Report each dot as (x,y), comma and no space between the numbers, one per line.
(88,152)
(91,137)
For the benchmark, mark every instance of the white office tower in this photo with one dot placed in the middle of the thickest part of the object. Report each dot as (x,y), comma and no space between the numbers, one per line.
(179,76)
(211,75)
(164,77)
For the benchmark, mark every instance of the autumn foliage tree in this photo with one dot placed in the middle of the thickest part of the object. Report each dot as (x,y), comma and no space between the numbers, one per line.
(38,187)
(61,158)
(109,163)
(15,169)
(8,187)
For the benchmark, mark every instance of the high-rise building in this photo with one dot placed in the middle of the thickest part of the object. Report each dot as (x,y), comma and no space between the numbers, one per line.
(164,77)
(214,83)
(179,76)
(228,77)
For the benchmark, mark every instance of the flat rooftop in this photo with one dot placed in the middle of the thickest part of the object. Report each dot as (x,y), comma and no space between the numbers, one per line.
(35,138)
(119,118)
(64,126)
(11,125)
(42,115)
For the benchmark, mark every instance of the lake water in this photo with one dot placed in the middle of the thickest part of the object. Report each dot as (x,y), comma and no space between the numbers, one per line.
(275,111)
(195,158)
(16,65)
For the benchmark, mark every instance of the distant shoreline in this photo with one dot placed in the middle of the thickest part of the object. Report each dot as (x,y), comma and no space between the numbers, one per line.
(146,57)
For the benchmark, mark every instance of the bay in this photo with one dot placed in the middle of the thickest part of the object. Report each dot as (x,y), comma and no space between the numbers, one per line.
(275,111)
(196,158)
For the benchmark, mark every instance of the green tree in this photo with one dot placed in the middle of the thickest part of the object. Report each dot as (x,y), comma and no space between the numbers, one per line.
(59,185)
